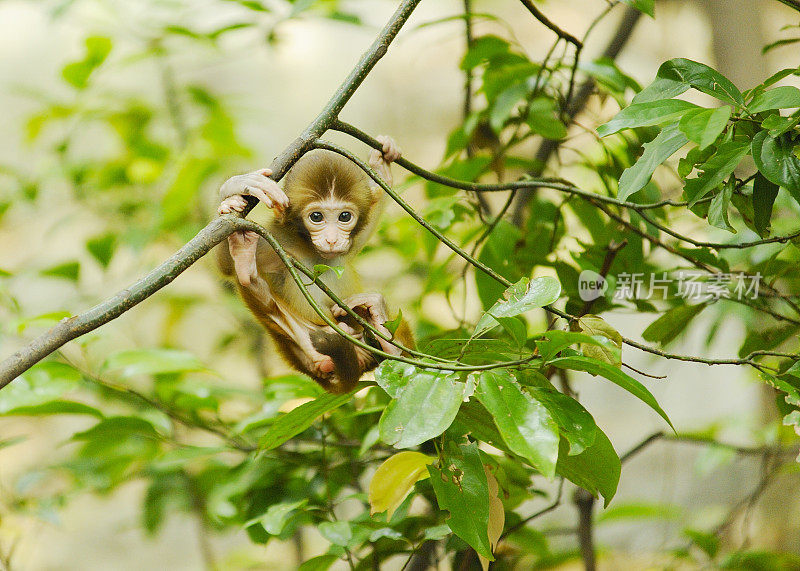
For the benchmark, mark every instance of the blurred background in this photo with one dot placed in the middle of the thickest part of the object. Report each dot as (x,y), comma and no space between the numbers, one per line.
(118,122)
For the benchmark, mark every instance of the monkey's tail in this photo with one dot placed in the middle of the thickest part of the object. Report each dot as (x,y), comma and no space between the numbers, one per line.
(343,355)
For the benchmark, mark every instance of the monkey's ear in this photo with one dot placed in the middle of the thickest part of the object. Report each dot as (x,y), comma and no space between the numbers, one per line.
(376,192)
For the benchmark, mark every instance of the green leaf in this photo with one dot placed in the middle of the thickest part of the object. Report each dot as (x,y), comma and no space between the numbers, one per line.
(596,469)
(482,49)
(645,115)
(11,441)
(394,480)
(703,126)
(296,421)
(516,328)
(462,489)
(135,362)
(766,338)
(638,511)
(475,420)
(276,516)
(779,43)
(319,563)
(671,323)
(178,457)
(393,324)
(718,209)
(68,271)
(523,296)
(777,125)
(775,158)
(41,384)
(102,248)
(644,6)
(52,407)
(505,104)
(393,376)
(708,542)
(558,340)
(764,193)
(525,423)
(543,119)
(661,88)
(596,326)
(337,532)
(575,423)
(320,269)
(777,98)
(657,151)
(702,78)
(425,408)
(77,73)
(614,375)
(716,170)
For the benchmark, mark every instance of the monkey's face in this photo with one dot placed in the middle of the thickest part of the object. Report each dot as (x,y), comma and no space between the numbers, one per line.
(330,223)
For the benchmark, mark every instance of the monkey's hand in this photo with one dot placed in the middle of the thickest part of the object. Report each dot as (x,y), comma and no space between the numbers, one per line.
(382,160)
(372,307)
(233,191)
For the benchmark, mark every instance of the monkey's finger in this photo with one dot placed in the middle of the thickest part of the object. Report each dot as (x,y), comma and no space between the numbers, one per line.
(265,172)
(259,194)
(271,189)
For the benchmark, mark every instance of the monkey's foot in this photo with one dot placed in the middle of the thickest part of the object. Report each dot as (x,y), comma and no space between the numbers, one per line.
(323,366)
(372,307)
(380,160)
(243,246)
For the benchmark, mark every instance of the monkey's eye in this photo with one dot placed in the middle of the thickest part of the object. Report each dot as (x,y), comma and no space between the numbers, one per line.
(316,216)
(345,216)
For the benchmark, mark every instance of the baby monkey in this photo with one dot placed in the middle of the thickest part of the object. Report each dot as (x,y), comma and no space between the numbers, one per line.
(325,214)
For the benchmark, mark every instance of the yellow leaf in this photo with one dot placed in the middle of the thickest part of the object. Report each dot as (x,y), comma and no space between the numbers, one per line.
(394,479)
(497,516)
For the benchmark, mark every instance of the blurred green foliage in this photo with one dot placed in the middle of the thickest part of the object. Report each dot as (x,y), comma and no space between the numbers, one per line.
(290,454)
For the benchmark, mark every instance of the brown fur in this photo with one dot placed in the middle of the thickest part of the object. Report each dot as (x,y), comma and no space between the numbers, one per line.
(319,175)
(316,176)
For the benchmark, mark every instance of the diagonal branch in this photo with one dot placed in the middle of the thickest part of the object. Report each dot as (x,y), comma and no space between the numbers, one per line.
(73,327)
(302,144)
(216,230)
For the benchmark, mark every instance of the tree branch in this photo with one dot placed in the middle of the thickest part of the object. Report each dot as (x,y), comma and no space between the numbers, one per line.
(330,113)
(216,230)
(73,327)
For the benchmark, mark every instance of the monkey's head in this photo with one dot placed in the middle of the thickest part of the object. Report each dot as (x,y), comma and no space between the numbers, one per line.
(330,202)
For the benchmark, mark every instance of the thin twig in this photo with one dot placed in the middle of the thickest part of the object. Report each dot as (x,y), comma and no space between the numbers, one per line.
(522,523)
(566,36)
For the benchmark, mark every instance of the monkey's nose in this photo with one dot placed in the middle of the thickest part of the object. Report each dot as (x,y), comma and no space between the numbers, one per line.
(331,240)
